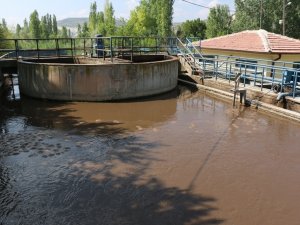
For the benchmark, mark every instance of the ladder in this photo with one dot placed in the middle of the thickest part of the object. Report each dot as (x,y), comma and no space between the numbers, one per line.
(190,57)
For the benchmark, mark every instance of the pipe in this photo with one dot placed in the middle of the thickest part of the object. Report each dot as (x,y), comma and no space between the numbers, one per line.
(284,94)
(279,57)
(273,63)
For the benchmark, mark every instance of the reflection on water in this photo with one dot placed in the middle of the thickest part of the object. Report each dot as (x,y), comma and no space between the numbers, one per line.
(180,158)
(132,115)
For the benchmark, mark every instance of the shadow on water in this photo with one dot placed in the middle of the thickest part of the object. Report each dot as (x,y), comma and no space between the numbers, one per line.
(101,180)
(112,189)
(117,199)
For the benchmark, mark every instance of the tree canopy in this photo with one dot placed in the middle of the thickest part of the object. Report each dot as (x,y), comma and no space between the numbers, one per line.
(192,28)
(218,21)
(151,17)
(266,14)
(4,33)
(100,22)
(154,18)
(40,27)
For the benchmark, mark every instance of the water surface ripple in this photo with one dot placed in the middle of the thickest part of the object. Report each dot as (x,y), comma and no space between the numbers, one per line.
(180,158)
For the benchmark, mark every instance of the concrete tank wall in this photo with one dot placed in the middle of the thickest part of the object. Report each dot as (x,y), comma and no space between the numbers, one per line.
(102,82)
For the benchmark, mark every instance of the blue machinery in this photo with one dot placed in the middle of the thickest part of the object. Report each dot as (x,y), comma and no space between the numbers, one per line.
(283,77)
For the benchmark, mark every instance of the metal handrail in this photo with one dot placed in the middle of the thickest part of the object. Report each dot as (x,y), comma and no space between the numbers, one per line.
(111,45)
(186,51)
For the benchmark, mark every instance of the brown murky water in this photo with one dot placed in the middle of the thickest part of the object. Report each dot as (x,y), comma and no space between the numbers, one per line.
(181,158)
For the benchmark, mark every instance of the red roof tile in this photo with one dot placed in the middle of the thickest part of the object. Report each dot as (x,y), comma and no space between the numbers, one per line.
(254,41)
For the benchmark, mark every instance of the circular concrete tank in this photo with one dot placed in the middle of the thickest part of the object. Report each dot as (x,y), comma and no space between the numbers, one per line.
(91,79)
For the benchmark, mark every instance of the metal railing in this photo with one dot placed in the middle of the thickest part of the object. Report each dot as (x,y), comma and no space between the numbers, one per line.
(278,76)
(110,47)
(190,54)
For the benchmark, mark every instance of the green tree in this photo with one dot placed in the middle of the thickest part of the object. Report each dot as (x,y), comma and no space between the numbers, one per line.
(85,30)
(151,17)
(193,28)
(121,29)
(218,21)
(100,23)
(18,30)
(247,16)
(141,22)
(2,36)
(44,32)
(4,24)
(54,26)
(79,30)
(64,32)
(109,19)
(49,25)
(93,18)
(25,30)
(164,17)
(254,14)
(5,33)
(34,25)
(293,20)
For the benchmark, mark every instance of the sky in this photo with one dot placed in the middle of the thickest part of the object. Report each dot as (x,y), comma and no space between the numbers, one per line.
(15,11)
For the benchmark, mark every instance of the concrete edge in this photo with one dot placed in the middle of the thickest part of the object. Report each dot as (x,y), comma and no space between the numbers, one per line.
(259,106)
(107,63)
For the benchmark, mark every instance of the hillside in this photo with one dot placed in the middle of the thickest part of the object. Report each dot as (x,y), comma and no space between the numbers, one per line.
(72,22)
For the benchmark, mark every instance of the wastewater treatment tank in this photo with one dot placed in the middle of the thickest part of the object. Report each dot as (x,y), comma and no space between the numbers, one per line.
(95,79)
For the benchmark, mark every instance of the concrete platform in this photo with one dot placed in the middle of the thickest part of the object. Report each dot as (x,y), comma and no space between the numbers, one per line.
(265,102)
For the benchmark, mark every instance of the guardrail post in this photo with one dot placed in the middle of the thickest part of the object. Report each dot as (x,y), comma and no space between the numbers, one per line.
(72,47)
(295,83)
(37,48)
(17,48)
(131,45)
(57,47)
(84,52)
(111,50)
(262,78)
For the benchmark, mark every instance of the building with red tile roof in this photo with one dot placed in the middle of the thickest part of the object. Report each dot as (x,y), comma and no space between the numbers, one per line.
(253,44)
